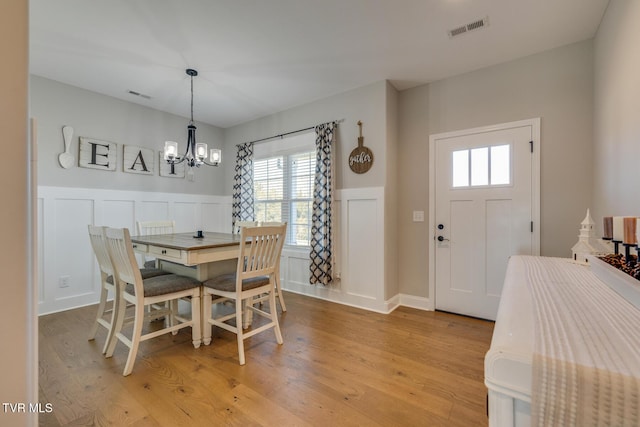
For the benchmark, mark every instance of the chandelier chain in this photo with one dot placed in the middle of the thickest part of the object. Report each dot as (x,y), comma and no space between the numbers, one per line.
(191,100)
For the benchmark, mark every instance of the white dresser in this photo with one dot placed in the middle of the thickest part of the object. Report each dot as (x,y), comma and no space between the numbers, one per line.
(563,314)
(507,365)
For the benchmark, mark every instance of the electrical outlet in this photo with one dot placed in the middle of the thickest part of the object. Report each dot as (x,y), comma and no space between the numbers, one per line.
(63,281)
(418,216)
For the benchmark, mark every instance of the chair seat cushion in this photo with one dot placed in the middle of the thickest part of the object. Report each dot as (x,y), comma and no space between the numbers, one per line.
(227,282)
(165,284)
(146,273)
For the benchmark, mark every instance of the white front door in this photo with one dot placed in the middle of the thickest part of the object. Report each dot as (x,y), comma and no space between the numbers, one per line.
(483,214)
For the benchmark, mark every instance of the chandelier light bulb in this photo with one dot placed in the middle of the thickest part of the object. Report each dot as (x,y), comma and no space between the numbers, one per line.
(216,156)
(201,151)
(170,150)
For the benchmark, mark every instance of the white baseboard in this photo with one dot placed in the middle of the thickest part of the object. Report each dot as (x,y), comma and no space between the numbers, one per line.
(421,303)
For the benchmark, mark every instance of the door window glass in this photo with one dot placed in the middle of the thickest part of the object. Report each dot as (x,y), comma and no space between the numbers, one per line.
(461,168)
(500,165)
(482,166)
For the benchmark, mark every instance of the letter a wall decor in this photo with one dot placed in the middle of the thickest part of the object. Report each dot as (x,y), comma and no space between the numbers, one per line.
(138,160)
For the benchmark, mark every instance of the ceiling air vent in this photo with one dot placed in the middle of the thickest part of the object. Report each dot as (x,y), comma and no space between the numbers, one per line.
(142,95)
(475,25)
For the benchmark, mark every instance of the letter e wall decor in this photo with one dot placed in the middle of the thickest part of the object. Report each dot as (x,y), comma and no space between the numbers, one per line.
(96,154)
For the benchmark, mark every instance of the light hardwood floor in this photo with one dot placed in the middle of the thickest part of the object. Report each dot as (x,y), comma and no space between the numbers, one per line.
(338,366)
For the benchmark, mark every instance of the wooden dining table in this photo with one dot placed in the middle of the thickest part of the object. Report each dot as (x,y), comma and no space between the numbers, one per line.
(182,253)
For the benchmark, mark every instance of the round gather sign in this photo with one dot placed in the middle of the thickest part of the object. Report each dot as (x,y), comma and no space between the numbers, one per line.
(361,158)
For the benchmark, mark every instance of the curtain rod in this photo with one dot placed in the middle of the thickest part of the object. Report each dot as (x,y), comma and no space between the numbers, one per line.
(285,134)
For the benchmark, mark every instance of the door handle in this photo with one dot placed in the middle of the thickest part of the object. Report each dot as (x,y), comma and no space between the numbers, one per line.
(442,239)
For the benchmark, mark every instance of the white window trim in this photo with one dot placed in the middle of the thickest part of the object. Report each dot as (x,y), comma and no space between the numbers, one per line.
(295,144)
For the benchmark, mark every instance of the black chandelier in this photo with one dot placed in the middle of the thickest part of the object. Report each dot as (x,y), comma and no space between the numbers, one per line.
(196,153)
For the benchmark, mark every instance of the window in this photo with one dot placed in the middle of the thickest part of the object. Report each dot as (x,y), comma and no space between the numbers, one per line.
(283,175)
(485,166)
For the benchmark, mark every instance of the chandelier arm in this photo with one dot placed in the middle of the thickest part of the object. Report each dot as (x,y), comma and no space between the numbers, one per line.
(176,162)
(204,162)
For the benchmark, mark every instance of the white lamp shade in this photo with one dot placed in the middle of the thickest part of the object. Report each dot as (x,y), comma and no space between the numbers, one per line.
(216,156)
(170,150)
(201,151)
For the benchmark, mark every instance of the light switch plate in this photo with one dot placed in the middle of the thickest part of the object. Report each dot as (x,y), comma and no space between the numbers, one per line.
(418,216)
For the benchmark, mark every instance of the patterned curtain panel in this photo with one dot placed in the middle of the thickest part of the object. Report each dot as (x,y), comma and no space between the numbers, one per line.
(243,185)
(321,251)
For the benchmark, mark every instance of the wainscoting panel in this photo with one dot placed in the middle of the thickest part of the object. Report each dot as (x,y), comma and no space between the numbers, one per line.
(213,218)
(184,214)
(68,274)
(359,267)
(297,267)
(66,258)
(73,264)
(154,210)
(40,251)
(365,264)
(120,213)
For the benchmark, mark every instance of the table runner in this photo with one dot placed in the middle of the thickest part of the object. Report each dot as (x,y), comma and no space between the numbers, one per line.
(586,362)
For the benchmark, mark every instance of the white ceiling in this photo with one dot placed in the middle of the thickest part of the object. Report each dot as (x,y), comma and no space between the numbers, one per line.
(259,57)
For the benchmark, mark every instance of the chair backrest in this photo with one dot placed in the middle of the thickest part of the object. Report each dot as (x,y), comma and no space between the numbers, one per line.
(260,249)
(123,259)
(146,228)
(239,225)
(99,245)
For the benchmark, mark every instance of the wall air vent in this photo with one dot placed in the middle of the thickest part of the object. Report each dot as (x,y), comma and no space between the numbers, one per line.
(472,26)
(142,95)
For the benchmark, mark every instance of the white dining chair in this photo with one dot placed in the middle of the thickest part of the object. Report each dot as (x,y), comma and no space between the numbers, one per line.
(260,249)
(96,235)
(237,227)
(131,288)
(148,228)
(278,289)
(98,244)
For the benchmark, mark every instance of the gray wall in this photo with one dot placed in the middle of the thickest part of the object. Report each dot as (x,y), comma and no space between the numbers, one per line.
(105,118)
(18,359)
(366,104)
(413,195)
(556,86)
(391,195)
(376,106)
(617,113)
